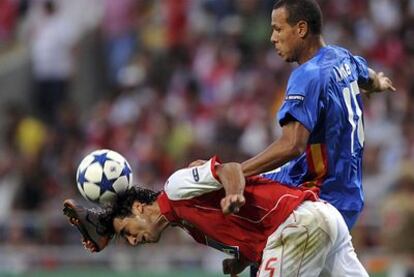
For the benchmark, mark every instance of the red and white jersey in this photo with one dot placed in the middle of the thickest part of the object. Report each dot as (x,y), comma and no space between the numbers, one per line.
(191,200)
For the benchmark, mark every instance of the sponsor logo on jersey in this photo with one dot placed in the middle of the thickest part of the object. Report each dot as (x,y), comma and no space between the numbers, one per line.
(295,97)
(196,176)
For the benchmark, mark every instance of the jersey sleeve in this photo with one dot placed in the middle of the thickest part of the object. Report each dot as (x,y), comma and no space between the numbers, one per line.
(191,182)
(361,68)
(301,101)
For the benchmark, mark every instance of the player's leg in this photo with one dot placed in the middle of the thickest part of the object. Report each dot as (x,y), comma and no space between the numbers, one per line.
(342,260)
(299,247)
(88,223)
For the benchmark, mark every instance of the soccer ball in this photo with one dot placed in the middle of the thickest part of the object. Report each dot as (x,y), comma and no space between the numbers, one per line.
(102,175)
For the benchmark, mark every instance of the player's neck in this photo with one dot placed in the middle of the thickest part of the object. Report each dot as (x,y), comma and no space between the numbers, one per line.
(160,221)
(311,47)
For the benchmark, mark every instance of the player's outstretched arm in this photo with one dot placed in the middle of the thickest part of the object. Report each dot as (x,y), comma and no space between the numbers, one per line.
(378,82)
(233,181)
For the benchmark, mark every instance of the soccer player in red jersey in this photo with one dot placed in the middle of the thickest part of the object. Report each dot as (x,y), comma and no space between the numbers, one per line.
(287,231)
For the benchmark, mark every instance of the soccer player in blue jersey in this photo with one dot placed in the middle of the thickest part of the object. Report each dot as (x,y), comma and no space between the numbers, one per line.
(322,116)
(322,120)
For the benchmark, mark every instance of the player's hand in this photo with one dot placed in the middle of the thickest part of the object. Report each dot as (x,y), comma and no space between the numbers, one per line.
(382,83)
(233,267)
(232,203)
(197,163)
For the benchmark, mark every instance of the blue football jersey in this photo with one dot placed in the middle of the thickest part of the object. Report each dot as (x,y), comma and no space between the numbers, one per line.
(323,95)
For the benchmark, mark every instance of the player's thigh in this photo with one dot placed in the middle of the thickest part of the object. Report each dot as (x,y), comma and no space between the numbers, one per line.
(298,250)
(342,261)
(344,264)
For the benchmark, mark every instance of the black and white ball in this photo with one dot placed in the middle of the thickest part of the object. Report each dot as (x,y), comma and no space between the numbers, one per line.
(102,175)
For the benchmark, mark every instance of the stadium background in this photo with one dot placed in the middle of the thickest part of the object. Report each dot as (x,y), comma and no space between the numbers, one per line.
(165,82)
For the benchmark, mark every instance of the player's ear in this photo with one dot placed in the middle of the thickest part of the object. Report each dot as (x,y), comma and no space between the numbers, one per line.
(302,28)
(137,207)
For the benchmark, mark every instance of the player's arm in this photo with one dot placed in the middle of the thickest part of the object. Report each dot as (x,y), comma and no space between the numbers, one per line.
(233,181)
(377,82)
(290,145)
(207,177)
(197,163)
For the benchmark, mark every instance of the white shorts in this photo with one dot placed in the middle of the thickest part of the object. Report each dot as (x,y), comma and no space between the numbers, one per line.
(313,241)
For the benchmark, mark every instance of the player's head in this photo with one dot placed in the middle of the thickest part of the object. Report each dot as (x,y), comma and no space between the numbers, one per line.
(293,22)
(135,216)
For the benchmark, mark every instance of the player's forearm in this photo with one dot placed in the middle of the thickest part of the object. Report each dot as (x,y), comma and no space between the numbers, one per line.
(291,145)
(274,156)
(231,177)
(377,82)
(373,82)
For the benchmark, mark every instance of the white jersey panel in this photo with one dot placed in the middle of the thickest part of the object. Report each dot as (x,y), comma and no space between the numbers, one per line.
(191,182)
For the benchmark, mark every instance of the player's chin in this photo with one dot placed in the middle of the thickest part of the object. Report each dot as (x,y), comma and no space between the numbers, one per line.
(155,240)
(151,239)
(285,58)
(289,59)
(142,243)
(147,242)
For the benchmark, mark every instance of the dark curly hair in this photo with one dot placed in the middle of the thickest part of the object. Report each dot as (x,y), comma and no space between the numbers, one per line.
(306,10)
(123,204)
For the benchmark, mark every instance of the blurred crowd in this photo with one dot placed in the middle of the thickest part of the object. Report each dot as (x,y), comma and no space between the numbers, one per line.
(185,80)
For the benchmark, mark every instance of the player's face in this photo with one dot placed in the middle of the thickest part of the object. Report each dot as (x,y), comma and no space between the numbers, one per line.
(284,37)
(139,228)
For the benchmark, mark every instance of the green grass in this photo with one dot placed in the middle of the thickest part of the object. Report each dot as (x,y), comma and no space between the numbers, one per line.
(106,273)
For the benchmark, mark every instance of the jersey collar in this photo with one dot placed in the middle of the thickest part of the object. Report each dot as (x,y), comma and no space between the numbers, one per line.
(165,207)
